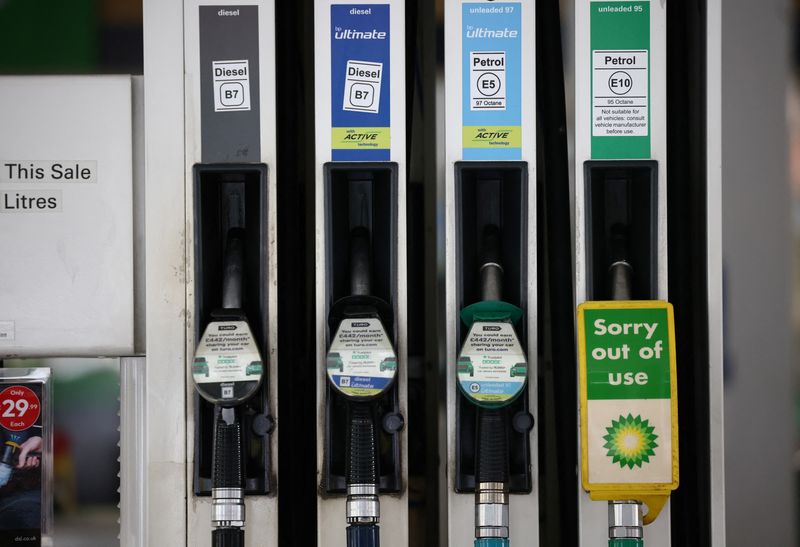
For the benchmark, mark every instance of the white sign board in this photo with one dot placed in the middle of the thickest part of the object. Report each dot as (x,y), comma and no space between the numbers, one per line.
(66,216)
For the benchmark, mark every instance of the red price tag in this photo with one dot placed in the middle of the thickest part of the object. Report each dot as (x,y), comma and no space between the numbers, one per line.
(19,408)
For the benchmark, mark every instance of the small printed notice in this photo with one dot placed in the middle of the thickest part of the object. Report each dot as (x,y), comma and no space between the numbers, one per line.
(488,80)
(620,93)
(227,353)
(48,171)
(492,368)
(7,331)
(361,361)
(31,201)
(362,86)
(231,85)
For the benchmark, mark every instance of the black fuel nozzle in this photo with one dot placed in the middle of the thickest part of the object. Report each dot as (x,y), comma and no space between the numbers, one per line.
(361,444)
(228,509)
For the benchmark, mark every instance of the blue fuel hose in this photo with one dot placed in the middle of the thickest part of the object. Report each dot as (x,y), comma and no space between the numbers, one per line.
(363,536)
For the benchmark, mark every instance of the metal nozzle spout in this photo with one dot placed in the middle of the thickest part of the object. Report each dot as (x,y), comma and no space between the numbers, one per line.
(625,520)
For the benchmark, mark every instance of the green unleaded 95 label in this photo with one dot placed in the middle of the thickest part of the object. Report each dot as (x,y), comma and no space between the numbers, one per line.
(620,65)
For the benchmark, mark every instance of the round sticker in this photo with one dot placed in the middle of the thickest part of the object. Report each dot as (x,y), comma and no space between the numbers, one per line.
(361,361)
(227,366)
(492,368)
(19,408)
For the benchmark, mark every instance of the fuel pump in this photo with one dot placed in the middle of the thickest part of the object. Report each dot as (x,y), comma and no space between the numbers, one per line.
(227,371)
(626,334)
(231,284)
(489,475)
(359,76)
(492,373)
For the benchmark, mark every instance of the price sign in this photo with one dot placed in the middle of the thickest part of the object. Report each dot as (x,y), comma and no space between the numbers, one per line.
(19,408)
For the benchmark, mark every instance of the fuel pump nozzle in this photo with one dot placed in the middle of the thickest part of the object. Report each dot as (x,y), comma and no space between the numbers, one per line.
(227,371)
(228,510)
(625,527)
(361,366)
(491,481)
(363,504)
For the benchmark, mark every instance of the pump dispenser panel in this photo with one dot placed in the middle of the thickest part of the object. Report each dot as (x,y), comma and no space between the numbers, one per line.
(233,196)
(362,195)
(493,194)
(621,224)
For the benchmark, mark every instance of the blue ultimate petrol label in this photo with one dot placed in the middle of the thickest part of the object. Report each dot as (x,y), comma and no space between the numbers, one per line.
(360,101)
(491,81)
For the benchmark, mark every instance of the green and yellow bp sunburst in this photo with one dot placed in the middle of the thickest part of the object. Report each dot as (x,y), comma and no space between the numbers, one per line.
(630,441)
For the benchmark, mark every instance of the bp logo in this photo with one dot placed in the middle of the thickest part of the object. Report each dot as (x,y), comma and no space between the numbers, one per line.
(630,441)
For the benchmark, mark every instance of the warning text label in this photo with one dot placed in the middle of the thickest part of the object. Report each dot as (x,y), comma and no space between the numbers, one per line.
(620,93)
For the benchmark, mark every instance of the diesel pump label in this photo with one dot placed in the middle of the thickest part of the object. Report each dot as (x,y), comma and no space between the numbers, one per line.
(491,81)
(360,106)
(620,65)
(231,85)
(361,361)
(492,367)
(227,353)
(229,71)
(628,393)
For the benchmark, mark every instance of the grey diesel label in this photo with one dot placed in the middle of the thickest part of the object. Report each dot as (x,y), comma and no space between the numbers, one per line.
(229,84)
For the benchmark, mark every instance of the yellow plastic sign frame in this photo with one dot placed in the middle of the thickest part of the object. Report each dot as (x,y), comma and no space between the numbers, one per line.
(654,495)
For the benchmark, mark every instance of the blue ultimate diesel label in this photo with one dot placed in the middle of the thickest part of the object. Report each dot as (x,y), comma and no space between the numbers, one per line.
(491,81)
(360,101)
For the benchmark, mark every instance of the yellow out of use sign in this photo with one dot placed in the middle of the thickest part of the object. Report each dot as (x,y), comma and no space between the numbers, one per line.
(629,402)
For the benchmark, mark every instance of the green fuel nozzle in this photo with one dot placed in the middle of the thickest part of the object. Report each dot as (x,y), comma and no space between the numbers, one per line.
(490,316)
